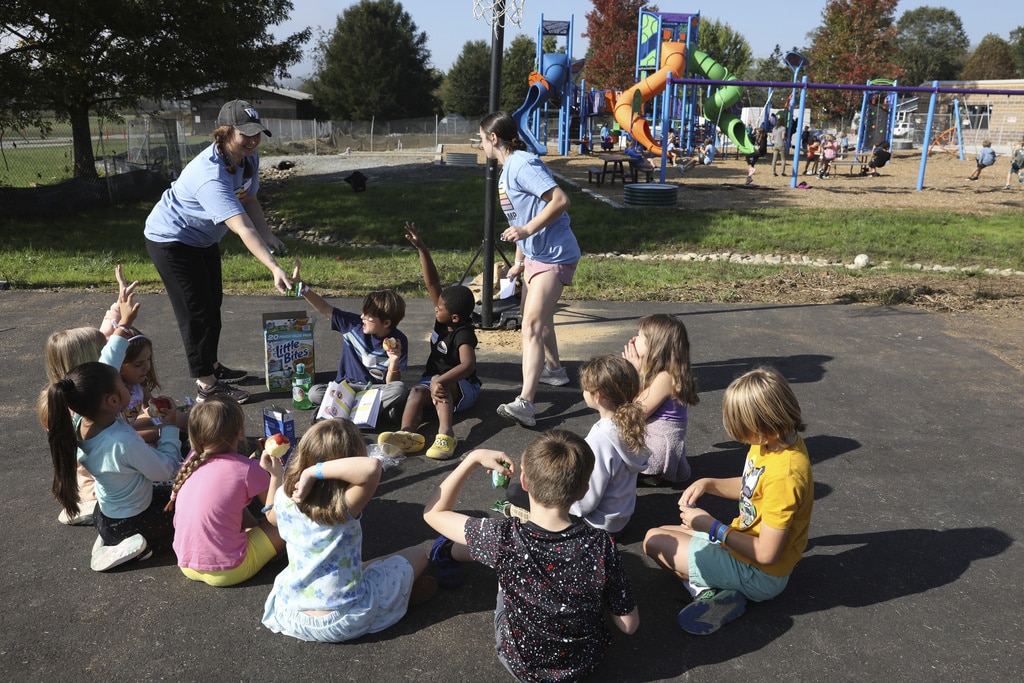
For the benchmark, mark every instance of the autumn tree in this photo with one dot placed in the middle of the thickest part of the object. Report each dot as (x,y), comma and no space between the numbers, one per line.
(80,59)
(855,43)
(375,63)
(466,88)
(931,45)
(612,29)
(992,59)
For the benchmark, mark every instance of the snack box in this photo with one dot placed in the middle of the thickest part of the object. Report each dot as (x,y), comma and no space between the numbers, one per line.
(288,338)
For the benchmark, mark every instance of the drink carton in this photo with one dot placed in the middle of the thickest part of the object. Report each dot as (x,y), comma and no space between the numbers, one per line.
(288,338)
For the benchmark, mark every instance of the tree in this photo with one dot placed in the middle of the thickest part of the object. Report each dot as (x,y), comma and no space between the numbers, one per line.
(854,44)
(724,45)
(993,59)
(375,63)
(104,56)
(1017,45)
(771,69)
(612,29)
(467,87)
(520,61)
(931,45)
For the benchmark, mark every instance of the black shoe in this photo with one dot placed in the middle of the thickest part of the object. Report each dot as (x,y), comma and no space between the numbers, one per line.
(226,374)
(203,393)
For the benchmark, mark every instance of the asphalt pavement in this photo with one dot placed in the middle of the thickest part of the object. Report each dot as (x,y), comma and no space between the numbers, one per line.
(914,434)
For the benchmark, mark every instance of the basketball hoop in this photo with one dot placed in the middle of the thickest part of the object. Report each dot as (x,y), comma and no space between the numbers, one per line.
(495,11)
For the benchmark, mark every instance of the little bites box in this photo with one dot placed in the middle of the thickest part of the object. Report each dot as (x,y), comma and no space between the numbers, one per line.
(288,338)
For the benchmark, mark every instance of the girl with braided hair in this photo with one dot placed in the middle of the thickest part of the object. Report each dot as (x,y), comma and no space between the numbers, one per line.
(216,538)
(85,423)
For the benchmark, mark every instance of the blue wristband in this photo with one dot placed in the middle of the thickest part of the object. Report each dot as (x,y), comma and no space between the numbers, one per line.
(713,531)
(267,508)
(318,470)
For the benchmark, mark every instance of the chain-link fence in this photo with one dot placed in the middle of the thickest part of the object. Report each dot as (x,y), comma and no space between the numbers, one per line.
(37,164)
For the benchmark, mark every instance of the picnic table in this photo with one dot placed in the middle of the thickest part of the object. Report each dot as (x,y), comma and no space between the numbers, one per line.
(618,170)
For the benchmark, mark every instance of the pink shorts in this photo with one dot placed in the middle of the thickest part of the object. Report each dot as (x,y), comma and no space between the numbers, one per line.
(563,271)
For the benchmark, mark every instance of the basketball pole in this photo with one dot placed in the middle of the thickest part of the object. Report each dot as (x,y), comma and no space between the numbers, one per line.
(491,191)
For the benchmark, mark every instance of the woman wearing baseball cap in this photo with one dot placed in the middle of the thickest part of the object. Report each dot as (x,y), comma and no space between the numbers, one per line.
(215,193)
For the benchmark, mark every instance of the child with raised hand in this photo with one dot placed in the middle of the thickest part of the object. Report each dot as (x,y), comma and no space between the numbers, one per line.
(660,352)
(752,556)
(139,375)
(610,385)
(328,593)
(129,514)
(374,352)
(449,383)
(216,539)
(549,622)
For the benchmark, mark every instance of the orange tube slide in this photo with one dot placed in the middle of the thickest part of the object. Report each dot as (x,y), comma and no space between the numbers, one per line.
(673,63)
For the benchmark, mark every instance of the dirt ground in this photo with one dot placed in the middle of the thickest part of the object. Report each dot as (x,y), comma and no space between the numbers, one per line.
(988,308)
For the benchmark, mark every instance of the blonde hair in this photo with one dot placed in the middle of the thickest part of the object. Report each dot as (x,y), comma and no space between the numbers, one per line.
(557,467)
(327,440)
(68,349)
(668,350)
(760,405)
(213,429)
(616,380)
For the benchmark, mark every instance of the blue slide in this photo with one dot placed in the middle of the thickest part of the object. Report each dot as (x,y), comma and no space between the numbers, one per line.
(554,71)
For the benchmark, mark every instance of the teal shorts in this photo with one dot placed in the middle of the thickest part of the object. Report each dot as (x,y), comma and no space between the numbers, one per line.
(714,566)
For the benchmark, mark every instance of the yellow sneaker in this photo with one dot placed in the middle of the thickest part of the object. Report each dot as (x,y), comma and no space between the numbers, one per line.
(443,448)
(407,442)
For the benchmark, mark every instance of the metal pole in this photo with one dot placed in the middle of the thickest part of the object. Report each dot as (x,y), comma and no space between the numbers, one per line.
(491,193)
(927,134)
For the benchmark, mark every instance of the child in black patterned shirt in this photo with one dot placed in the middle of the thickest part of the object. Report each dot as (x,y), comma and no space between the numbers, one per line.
(538,634)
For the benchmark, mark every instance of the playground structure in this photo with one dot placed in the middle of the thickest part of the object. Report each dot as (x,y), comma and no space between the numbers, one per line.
(877,115)
(553,76)
(666,53)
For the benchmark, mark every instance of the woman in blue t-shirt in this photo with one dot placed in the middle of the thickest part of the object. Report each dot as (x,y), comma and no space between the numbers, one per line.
(215,192)
(546,254)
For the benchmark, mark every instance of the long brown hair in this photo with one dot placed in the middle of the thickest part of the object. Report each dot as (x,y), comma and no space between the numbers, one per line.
(616,380)
(668,350)
(327,440)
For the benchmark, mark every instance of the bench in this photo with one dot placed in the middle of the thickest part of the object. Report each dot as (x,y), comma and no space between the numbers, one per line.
(460,159)
(593,171)
(474,142)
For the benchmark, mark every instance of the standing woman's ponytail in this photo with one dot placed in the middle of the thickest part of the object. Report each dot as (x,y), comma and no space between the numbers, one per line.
(504,126)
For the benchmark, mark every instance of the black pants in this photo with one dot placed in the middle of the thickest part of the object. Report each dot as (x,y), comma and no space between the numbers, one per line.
(153,523)
(192,278)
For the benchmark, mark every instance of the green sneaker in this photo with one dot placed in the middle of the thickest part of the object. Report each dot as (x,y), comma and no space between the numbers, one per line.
(711,610)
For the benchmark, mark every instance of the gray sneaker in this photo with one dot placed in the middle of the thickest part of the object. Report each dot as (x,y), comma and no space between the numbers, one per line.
(711,610)
(556,378)
(106,557)
(203,393)
(519,410)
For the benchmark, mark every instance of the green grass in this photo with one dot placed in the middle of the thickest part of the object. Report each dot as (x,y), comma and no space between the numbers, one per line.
(81,251)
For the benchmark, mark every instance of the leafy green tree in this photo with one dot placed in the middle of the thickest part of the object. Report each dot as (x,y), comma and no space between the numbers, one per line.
(855,43)
(101,57)
(724,45)
(612,29)
(931,45)
(773,69)
(375,63)
(520,60)
(1017,45)
(992,59)
(466,89)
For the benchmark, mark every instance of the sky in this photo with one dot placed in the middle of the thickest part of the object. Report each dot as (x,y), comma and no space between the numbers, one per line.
(449,24)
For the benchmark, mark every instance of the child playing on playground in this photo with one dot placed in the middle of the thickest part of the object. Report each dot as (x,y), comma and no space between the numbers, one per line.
(139,375)
(366,361)
(449,381)
(660,352)
(1016,165)
(129,514)
(753,556)
(328,593)
(829,152)
(760,150)
(879,157)
(216,539)
(813,150)
(986,157)
(637,159)
(705,154)
(546,579)
(610,385)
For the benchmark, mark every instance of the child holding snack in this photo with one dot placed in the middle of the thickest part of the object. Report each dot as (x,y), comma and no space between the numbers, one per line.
(610,385)
(661,354)
(449,381)
(129,514)
(752,556)
(216,538)
(547,581)
(139,375)
(374,352)
(328,593)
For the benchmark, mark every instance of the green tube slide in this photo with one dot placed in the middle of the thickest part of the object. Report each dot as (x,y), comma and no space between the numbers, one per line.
(724,97)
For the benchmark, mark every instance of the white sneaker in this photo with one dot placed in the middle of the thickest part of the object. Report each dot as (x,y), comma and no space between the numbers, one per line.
(84,516)
(519,410)
(556,378)
(106,557)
